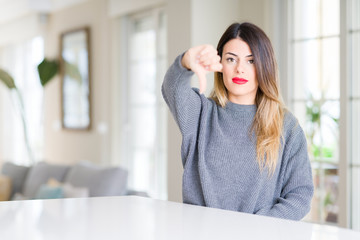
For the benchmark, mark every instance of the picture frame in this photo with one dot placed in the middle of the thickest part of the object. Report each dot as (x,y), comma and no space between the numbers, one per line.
(75,79)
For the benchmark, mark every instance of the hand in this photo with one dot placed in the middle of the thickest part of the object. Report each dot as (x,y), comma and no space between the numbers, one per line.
(201,60)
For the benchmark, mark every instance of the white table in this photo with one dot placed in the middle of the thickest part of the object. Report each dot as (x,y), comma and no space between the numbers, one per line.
(135,218)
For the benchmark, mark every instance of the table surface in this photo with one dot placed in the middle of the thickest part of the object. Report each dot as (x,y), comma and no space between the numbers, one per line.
(131,217)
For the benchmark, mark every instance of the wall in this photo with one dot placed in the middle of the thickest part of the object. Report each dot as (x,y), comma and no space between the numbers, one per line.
(66,146)
(21,29)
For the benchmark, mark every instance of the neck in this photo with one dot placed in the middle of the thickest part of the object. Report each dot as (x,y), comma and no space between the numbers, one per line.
(242,100)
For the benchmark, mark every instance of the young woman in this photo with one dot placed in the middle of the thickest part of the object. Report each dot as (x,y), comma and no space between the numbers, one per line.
(241,149)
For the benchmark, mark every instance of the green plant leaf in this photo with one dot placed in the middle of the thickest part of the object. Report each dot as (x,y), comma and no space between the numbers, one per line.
(7,79)
(47,69)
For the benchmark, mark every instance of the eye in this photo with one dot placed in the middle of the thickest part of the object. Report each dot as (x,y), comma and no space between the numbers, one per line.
(251,61)
(230,60)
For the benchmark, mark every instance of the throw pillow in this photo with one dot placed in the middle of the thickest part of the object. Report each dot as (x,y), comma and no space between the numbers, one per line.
(40,174)
(49,192)
(69,190)
(5,188)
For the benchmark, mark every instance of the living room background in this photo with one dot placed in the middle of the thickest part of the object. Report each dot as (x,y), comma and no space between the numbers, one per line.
(187,24)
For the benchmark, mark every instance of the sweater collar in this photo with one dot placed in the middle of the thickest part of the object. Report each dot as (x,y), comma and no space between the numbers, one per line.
(247,109)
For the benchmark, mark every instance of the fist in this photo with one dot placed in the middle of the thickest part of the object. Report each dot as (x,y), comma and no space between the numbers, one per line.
(201,60)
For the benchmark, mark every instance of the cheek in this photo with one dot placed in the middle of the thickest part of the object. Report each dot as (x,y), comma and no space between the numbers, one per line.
(227,71)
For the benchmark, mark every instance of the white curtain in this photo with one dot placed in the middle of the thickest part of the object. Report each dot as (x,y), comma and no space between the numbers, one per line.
(20,60)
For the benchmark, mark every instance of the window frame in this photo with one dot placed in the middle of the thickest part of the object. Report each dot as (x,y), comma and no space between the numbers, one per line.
(286,69)
(160,191)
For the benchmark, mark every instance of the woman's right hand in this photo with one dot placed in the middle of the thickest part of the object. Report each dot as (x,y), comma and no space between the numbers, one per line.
(201,60)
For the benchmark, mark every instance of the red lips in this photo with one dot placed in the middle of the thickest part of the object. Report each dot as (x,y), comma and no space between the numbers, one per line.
(239,80)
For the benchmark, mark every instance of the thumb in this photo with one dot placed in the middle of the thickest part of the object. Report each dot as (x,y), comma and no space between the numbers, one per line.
(202,81)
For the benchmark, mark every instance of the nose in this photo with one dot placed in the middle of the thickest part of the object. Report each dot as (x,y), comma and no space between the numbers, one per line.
(239,68)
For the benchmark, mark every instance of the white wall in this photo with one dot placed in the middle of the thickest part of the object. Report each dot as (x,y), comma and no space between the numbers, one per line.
(66,146)
(21,29)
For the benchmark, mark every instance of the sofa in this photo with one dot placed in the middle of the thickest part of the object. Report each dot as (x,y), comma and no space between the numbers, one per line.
(45,180)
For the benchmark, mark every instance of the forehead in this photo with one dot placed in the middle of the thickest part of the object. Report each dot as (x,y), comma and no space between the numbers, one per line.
(238,47)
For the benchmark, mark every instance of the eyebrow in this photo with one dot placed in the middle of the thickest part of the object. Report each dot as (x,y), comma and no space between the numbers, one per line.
(233,54)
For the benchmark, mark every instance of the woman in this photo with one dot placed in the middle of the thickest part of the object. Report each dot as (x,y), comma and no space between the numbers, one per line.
(241,149)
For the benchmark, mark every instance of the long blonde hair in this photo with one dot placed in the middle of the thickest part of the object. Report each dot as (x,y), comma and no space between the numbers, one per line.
(268,120)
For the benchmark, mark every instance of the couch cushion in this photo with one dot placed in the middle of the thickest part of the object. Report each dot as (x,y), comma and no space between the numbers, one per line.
(74,192)
(40,174)
(101,181)
(17,175)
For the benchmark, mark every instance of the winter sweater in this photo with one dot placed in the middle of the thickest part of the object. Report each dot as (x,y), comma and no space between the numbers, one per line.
(219,155)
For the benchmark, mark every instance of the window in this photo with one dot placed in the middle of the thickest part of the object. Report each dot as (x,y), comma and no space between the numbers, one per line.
(322,33)
(21,61)
(315,76)
(354,102)
(145,144)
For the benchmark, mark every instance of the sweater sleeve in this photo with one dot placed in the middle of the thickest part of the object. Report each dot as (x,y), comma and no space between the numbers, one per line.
(297,190)
(184,102)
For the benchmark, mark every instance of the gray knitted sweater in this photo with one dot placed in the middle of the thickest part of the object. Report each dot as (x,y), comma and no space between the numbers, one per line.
(219,155)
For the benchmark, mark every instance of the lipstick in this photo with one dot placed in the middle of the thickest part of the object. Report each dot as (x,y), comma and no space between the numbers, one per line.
(239,80)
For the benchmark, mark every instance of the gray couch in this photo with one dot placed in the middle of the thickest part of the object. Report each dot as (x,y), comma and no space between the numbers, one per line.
(33,182)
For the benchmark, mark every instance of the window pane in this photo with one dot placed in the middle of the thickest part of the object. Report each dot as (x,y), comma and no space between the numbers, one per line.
(143,120)
(143,45)
(355,16)
(324,206)
(330,200)
(300,113)
(314,18)
(306,69)
(330,83)
(330,131)
(143,62)
(330,22)
(141,177)
(355,69)
(321,129)
(306,18)
(311,81)
(143,147)
(142,83)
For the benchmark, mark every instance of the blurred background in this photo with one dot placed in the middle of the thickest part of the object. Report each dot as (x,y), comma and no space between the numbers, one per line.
(132,43)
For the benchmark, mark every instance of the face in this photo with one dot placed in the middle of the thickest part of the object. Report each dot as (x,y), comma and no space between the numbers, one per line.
(239,73)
